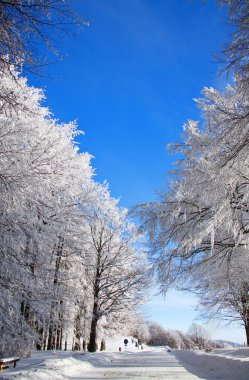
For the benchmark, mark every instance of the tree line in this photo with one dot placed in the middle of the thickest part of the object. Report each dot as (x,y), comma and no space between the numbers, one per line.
(196,338)
(69,254)
(71,265)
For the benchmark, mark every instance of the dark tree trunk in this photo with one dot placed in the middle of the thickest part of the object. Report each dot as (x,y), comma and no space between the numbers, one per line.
(59,331)
(92,345)
(77,329)
(84,345)
(247,333)
(25,310)
(61,335)
(54,331)
(245,309)
(58,337)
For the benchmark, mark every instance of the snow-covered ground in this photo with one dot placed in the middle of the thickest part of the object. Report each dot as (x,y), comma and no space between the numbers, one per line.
(157,363)
(227,364)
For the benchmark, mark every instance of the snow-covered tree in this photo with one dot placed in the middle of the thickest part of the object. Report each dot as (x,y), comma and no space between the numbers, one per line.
(160,336)
(199,335)
(139,328)
(223,290)
(68,252)
(198,231)
(235,54)
(43,181)
(203,218)
(201,224)
(116,272)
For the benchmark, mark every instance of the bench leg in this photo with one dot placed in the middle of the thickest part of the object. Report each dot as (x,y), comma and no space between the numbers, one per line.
(1,367)
(14,364)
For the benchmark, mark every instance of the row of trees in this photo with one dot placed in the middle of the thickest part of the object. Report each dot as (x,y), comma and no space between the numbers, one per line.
(198,231)
(70,261)
(196,337)
(69,255)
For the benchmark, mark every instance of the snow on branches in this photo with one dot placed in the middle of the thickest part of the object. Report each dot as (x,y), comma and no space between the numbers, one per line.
(199,228)
(58,229)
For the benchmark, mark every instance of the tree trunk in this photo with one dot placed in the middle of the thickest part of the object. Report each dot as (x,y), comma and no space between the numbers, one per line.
(58,336)
(25,310)
(77,329)
(92,345)
(54,329)
(45,338)
(51,337)
(247,332)
(59,333)
(39,344)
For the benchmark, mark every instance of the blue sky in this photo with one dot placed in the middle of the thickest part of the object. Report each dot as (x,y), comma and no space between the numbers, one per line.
(177,311)
(129,79)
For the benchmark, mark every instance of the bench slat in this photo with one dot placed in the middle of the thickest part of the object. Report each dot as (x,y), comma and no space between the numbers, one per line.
(4,360)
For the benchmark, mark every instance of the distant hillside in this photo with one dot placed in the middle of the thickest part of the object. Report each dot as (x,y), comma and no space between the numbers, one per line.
(227,343)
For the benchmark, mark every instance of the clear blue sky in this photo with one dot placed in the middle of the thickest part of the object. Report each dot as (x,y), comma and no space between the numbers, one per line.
(130,79)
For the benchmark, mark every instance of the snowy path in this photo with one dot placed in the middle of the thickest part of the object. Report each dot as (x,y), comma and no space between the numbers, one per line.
(148,364)
(157,364)
(145,365)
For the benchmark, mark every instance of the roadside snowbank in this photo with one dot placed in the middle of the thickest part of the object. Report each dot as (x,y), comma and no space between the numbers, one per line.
(56,369)
(229,364)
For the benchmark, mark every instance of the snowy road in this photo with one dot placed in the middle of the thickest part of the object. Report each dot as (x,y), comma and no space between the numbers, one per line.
(145,365)
(152,363)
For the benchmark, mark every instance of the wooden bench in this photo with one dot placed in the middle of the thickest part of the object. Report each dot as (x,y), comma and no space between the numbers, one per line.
(5,361)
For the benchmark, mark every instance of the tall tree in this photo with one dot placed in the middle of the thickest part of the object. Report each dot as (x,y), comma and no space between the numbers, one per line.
(44,185)
(203,218)
(198,334)
(116,273)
